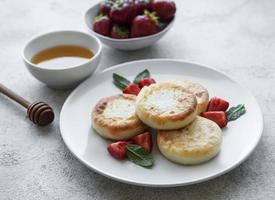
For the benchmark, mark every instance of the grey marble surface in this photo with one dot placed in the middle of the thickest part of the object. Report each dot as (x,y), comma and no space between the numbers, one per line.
(237,37)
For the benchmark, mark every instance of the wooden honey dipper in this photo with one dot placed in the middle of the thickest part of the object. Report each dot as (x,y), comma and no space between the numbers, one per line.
(38,112)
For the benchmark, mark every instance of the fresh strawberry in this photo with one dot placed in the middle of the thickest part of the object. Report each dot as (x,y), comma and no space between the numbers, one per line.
(119,32)
(102,25)
(217,116)
(105,7)
(165,9)
(144,25)
(131,89)
(143,5)
(144,140)
(118,149)
(123,12)
(217,104)
(146,82)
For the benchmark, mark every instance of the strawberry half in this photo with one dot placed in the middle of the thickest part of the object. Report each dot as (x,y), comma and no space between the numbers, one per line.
(144,140)
(217,104)
(216,116)
(102,25)
(118,149)
(119,32)
(165,9)
(131,89)
(146,82)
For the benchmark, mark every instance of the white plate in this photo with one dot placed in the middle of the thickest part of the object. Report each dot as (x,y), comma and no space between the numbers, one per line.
(240,137)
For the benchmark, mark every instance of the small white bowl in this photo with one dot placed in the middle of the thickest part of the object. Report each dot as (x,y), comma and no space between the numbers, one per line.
(124,44)
(67,76)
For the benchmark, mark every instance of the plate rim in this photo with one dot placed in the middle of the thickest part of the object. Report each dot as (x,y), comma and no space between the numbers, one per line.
(127,181)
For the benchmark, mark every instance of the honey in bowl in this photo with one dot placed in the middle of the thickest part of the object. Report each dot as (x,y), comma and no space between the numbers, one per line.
(62,56)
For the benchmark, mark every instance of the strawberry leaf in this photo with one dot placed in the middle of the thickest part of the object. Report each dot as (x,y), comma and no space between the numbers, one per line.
(153,16)
(99,16)
(144,74)
(120,81)
(122,31)
(139,155)
(235,112)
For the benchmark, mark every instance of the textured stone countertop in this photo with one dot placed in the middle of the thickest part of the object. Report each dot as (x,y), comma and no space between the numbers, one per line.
(237,37)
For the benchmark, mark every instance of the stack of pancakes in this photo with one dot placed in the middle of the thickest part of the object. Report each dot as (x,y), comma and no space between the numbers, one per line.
(173,109)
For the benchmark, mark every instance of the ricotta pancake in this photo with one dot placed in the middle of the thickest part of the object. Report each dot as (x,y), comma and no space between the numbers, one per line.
(166,106)
(198,90)
(196,143)
(115,117)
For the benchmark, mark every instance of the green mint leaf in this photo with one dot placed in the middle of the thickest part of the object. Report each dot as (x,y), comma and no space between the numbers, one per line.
(139,155)
(120,81)
(144,74)
(235,112)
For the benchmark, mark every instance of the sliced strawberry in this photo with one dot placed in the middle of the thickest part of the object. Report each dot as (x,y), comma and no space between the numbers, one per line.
(144,140)
(118,149)
(145,82)
(216,116)
(217,104)
(131,89)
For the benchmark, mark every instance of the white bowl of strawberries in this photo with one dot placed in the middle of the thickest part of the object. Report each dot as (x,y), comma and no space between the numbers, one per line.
(130,24)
